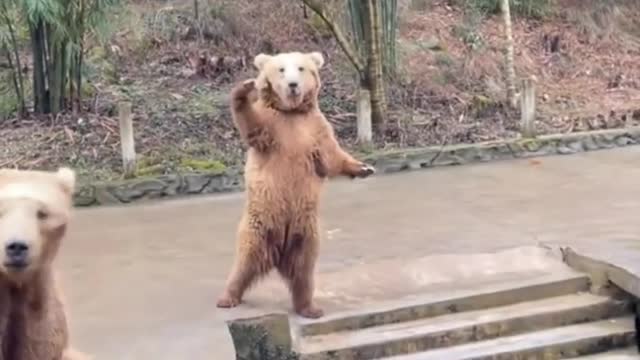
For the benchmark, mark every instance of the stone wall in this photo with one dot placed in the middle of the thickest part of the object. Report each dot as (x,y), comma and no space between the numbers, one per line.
(147,188)
(128,191)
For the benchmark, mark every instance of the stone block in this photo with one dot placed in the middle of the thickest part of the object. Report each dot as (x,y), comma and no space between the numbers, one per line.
(266,337)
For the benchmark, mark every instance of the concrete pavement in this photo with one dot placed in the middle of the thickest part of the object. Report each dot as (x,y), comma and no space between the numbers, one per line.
(141,281)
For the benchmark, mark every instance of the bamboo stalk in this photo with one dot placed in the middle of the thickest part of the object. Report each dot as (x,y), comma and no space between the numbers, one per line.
(375,65)
(17,69)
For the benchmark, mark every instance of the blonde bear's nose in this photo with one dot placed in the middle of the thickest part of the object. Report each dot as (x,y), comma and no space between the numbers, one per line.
(17,252)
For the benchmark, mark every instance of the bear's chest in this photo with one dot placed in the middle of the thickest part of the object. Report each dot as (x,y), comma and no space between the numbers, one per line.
(296,138)
(31,332)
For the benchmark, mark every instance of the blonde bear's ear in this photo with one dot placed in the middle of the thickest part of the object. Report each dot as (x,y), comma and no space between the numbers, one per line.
(261,60)
(67,178)
(317,58)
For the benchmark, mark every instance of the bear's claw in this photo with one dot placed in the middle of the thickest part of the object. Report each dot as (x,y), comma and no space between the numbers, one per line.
(366,170)
(227,302)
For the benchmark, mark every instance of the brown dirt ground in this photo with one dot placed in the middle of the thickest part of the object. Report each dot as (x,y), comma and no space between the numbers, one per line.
(448,88)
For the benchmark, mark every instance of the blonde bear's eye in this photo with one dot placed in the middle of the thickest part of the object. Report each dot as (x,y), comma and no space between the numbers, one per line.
(42,215)
(301,69)
(281,69)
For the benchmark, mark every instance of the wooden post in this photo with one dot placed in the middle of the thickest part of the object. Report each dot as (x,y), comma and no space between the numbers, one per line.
(363,124)
(628,120)
(528,108)
(126,139)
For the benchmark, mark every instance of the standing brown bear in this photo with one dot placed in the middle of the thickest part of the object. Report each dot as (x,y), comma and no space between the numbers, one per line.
(292,150)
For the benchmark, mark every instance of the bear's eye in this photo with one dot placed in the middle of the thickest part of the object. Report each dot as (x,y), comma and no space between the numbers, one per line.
(301,69)
(42,214)
(281,69)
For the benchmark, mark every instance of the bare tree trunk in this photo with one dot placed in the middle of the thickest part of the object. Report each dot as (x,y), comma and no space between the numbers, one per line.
(509,55)
(366,17)
(365,135)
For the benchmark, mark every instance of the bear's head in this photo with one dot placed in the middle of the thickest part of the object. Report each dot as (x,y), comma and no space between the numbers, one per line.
(289,82)
(35,208)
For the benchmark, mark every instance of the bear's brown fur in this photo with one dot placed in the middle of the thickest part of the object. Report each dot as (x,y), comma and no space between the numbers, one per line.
(35,209)
(292,150)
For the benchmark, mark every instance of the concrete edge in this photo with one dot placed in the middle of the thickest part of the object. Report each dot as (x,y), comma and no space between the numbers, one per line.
(231,180)
(602,272)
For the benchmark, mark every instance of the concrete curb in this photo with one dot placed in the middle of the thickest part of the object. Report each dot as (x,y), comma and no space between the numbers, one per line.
(128,191)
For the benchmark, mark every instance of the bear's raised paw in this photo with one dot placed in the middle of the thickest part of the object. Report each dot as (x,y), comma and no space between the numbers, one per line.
(242,90)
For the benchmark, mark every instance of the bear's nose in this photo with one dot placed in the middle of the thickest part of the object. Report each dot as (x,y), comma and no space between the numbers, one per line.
(17,251)
(293,85)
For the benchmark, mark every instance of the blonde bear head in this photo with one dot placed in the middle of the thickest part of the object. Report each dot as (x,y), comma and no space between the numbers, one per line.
(289,82)
(35,208)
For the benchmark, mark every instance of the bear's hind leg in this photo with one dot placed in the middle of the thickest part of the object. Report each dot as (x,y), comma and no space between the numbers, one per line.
(252,262)
(297,267)
(302,288)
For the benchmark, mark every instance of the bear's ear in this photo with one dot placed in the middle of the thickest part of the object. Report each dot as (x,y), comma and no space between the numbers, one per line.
(317,58)
(67,178)
(261,60)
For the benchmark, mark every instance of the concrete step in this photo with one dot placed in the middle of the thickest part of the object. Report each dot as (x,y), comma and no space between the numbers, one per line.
(470,297)
(557,343)
(460,328)
(626,354)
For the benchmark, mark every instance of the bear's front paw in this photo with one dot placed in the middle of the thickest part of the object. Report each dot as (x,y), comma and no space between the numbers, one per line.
(365,170)
(242,90)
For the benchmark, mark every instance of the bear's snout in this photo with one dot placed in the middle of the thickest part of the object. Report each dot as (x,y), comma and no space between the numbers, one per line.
(294,88)
(16,254)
